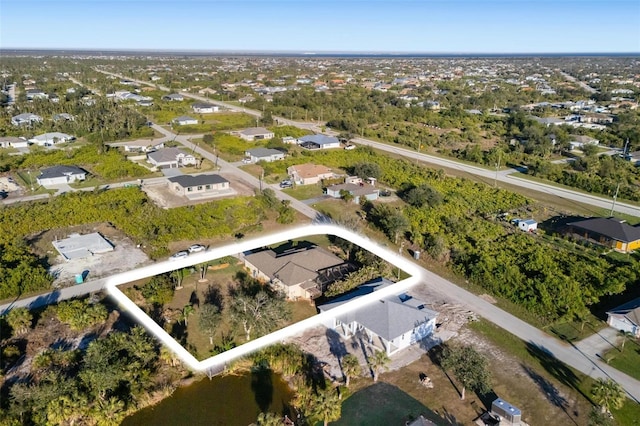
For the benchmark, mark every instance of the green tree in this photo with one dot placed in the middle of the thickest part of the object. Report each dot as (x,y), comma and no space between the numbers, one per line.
(468,367)
(260,313)
(268,419)
(326,405)
(350,367)
(208,320)
(378,362)
(367,170)
(607,394)
(19,319)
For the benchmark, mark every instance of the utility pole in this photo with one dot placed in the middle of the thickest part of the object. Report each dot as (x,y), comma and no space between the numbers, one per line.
(615,197)
(261,178)
(495,180)
(624,151)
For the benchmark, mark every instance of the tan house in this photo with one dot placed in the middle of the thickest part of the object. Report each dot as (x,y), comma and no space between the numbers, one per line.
(255,133)
(187,185)
(300,272)
(309,173)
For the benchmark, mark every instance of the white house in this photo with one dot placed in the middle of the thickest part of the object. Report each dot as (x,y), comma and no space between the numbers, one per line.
(309,174)
(173,97)
(50,139)
(61,174)
(367,191)
(626,317)
(36,94)
(13,142)
(390,324)
(189,185)
(264,154)
(579,141)
(319,142)
(202,108)
(255,133)
(170,158)
(25,118)
(185,120)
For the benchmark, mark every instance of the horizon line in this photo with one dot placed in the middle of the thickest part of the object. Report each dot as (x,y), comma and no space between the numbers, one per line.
(308,52)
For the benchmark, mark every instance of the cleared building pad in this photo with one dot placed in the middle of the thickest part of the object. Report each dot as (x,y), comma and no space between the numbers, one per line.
(78,246)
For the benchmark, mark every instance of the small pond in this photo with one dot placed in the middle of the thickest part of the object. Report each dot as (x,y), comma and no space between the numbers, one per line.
(228,400)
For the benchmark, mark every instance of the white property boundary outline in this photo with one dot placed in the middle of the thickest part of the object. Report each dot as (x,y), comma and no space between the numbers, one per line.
(224,358)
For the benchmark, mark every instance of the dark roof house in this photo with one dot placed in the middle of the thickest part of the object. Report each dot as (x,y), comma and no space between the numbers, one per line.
(609,232)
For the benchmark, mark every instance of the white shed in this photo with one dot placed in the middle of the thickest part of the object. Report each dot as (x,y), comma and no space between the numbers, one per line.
(528,225)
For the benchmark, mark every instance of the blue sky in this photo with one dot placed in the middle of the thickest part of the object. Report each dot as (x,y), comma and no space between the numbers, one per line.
(425,26)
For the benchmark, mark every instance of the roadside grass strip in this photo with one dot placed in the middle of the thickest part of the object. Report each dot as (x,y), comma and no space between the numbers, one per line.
(218,362)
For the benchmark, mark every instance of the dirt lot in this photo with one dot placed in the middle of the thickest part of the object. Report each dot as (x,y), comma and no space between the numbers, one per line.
(125,256)
(164,197)
(8,185)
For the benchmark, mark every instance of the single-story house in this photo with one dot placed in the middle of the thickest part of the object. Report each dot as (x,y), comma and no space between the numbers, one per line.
(185,120)
(299,272)
(319,142)
(49,139)
(141,146)
(390,324)
(199,184)
(169,158)
(13,142)
(289,140)
(264,154)
(309,174)
(145,103)
(57,175)
(36,94)
(626,317)
(357,190)
(255,133)
(173,97)
(609,232)
(579,141)
(25,118)
(202,108)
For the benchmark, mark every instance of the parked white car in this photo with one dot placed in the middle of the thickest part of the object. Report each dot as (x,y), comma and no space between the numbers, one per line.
(179,255)
(196,248)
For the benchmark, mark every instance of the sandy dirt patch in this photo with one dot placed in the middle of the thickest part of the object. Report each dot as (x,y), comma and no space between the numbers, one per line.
(124,257)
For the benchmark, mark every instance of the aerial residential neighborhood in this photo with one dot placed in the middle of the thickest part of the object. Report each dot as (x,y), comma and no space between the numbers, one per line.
(305,236)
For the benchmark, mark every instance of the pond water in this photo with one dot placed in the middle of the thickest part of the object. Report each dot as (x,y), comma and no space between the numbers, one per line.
(228,400)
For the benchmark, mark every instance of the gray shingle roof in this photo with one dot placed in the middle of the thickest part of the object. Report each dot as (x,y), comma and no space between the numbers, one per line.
(188,180)
(166,154)
(630,311)
(295,267)
(254,131)
(264,152)
(609,227)
(319,139)
(59,171)
(391,316)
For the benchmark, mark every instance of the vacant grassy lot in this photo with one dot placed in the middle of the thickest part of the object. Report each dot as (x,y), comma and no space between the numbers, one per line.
(305,192)
(382,404)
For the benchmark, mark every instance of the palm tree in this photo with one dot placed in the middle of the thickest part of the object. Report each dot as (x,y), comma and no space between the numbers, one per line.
(19,319)
(607,394)
(350,367)
(268,419)
(625,335)
(378,362)
(327,405)
(186,311)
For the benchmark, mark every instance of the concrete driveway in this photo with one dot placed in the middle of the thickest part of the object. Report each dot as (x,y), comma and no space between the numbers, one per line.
(600,342)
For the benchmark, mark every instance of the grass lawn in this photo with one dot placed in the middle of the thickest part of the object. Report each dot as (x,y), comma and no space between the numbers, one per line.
(560,382)
(574,331)
(304,192)
(626,359)
(382,404)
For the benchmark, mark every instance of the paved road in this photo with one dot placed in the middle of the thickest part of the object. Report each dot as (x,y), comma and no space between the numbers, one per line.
(582,84)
